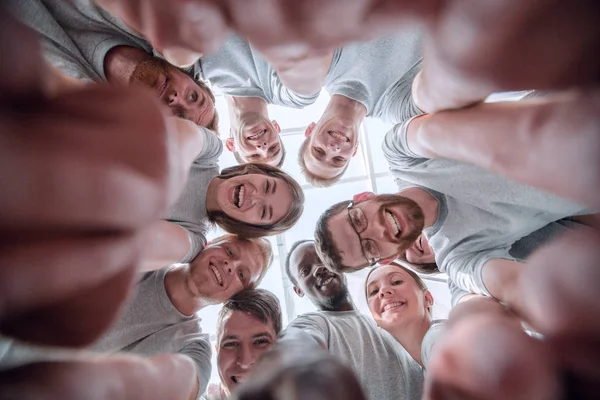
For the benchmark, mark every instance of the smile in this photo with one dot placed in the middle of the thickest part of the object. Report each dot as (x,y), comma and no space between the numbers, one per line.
(339,136)
(396,227)
(161,89)
(237,378)
(217,274)
(257,135)
(238,195)
(326,281)
(393,305)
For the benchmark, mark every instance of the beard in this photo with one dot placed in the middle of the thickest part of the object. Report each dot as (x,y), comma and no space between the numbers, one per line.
(413,213)
(148,72)
(334,302)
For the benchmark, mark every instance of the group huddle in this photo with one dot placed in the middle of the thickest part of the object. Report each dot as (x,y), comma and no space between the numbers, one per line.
(455,212)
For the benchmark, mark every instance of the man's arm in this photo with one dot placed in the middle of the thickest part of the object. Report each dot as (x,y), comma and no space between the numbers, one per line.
(501,278)
(500,137)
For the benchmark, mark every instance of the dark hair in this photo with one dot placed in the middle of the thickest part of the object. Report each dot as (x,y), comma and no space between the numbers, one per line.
(239,159)
(313,179)
(289,256)
(426,268)
(249,230)
(326,249)
(265,249)
(259,303)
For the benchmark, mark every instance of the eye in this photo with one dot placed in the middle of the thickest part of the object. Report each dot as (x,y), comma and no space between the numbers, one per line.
(241,276)
(397,282)
(267,186)
(373,292)
(339,160)
(193,96)
(228,252)
(319,151)
(229,345)
(264,212)
(262,342)
(304,272)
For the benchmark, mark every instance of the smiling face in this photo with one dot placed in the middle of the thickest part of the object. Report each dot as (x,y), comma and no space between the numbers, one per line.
(331,145)
(324,288)
(255,199)
(177,90)
(242,340)
(258,140)
(395,298)
(391,223)
(225,269)
(420,252)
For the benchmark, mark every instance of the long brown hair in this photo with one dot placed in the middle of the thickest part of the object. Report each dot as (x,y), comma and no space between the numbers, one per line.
(252,231)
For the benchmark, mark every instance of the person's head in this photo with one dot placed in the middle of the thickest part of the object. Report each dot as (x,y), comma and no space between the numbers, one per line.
(257,140)
(186,97)
(325,289)
(397,296)
(420,256)
(228,265)
(247,326)
(371,229)
(331,142)
(256,200)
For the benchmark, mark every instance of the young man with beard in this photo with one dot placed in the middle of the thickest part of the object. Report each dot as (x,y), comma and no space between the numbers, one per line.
(370,79)
(252,81)
(383,367)
(470,217)
(87,43)
(161,316)
(247,326)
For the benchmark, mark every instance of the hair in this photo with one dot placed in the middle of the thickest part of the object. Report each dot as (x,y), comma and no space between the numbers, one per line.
(252,231)
(239,159)
(427,268)
(326,248)
(313,179)
(420,283)
(259,303)
(266,251)
(213,125)
(289,256)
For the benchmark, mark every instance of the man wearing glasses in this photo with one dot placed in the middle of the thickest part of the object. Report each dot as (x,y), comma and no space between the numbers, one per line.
(470,217)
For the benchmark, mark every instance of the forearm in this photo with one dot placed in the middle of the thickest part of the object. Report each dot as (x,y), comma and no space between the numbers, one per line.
(303,74)
(502,280)
(532,141)
(164,243)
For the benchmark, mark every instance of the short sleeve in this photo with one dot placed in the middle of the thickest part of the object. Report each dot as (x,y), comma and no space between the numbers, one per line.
(309,328)
(396,150)
(456,293)
(433,335)
(281,95)
(199,350)
(465,270)
(211,151)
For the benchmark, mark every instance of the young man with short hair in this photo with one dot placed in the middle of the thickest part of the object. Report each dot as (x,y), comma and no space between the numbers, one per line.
(87,43)
(382,366)
(370,79)
(248,324)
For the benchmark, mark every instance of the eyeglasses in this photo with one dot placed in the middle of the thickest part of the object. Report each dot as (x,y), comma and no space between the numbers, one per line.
(359,223)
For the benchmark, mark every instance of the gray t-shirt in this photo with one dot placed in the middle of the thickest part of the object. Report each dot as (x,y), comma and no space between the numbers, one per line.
(77,34)
(189,211)
(150,325)
(237,69)
(433,335)
(379,74)
(481,214)
(384,368)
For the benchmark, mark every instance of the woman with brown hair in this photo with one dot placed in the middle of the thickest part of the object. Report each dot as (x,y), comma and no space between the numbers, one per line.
(401,304)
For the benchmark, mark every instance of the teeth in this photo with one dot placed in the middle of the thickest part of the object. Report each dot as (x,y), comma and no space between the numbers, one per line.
(395,304)
(338,135)
(394,223)
(327,281)
(258,135)
(241,197)
(217,274)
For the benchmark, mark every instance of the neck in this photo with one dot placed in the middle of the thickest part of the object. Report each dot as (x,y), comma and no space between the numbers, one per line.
(121,61)
(427,202)
(211,195)
(179,294)
(344,304)
(239,107)
(342,106)
(411,336)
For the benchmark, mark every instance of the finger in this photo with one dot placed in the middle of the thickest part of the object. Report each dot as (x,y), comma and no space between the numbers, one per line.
(110,378)
(108,152)
(39,273)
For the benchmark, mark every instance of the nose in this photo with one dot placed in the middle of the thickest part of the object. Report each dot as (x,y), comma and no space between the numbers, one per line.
(385,290)
(334,146)
(230,266)
(246,357)
(320,271)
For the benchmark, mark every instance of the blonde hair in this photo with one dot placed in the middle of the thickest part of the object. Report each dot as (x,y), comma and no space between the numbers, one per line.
(313,179)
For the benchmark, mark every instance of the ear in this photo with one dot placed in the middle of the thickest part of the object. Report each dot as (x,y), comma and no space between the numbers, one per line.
(355,150)
(309,129)
(276,125)
(298,291)
(230,144)
(388,260)
(363,196)
(428,299)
